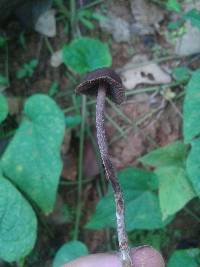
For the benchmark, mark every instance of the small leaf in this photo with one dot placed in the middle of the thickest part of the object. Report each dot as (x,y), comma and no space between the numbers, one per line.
(142,205)
(174,5)
(86,54)
(191,110)
(53,89)
(87,23)
(18,223)
(172,154)
(193,16)
(27,69)
(173,182)
(193,165)
(69,252)
(185,258)
(3,108)
(32,160)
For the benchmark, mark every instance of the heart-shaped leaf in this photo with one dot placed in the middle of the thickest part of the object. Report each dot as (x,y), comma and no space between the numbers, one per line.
(17,223)
(32,159)
(86,54)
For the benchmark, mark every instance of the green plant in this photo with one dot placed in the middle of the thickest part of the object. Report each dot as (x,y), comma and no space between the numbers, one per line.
(84,16)
(27,69)
(69,252)
(3,108)
(30,169)
(185,257)
(174,5)
(86,54)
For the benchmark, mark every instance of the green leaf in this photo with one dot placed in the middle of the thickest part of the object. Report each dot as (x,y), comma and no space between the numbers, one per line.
(137,180)
(72,121)
(191,110)
(142,205)
(18,223)
(32,159)
(144,213)
(172,154)
(27,69)
(175,25)
(86,54)
(181,74)
(174,5)
(193,165)
(194,17)
(3,108)
(69,252)
(173,182)
(185,258)
(53,90)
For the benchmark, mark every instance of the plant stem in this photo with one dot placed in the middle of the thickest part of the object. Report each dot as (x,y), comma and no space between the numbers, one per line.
(49,46)
(73,17)
(80,170)
(111,176)
(192,214)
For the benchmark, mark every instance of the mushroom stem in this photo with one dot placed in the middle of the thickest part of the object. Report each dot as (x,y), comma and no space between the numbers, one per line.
(112,178)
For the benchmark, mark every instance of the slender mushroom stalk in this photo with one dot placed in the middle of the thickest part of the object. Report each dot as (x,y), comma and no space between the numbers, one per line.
(105,82)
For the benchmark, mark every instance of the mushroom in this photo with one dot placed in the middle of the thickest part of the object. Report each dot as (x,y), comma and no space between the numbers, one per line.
(105,82)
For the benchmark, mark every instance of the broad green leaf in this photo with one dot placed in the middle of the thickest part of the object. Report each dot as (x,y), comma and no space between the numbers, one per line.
(18,223)
(174,5)
(32,159)
(142,205)
(185,258)
(175,189)
(144,213)
(191,110)
(172,154)
(69,252)
(86,54)
(104,215)
(3,108)
(193,16)
(193,165)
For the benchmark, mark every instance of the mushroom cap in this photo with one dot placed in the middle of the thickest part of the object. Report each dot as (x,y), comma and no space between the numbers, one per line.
(109,77)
